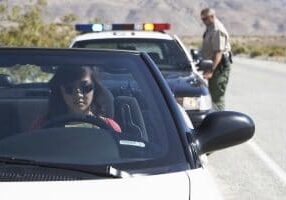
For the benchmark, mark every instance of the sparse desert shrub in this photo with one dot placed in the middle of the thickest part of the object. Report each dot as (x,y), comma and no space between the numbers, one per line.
(29,29)
(253,46)
(277,51)
(255,53)
(239,49)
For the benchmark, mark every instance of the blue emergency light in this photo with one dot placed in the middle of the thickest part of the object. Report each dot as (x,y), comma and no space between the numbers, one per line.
(89,27)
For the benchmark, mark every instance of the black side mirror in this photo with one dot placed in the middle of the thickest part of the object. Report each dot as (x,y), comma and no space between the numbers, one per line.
(196,55)
(220,130)
(205,65)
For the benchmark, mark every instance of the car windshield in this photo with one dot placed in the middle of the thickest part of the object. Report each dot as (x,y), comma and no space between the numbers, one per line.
(167,54)
(84,107)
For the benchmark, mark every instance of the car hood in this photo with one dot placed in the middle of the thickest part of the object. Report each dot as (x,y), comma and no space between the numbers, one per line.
(165,186)
(185,83)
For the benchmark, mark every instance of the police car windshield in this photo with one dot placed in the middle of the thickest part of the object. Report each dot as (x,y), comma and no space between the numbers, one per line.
(167,54)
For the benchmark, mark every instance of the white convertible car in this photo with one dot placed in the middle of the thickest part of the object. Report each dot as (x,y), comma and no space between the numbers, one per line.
(101,124)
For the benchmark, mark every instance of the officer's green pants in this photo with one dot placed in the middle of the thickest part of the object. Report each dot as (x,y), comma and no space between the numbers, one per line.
(218,85)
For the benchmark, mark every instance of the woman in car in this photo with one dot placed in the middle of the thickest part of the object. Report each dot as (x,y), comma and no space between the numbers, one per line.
(73,91)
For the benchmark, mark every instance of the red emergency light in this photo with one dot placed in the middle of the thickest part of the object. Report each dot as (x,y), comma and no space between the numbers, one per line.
(162,27)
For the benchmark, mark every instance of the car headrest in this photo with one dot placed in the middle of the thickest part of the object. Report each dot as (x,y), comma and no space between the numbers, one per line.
(155,56)
(5,80)
(104,102)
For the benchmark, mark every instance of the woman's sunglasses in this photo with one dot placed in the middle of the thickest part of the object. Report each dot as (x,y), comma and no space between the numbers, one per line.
(84,87)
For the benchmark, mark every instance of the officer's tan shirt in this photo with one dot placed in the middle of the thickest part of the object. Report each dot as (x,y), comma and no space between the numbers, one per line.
(215,39)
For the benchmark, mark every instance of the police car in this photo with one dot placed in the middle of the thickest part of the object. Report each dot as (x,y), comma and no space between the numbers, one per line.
(167,51)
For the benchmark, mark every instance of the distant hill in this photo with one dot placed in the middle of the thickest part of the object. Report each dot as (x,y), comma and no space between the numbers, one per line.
(255,17)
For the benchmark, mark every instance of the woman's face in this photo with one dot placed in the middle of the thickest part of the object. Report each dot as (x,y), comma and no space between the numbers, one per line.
(78,95)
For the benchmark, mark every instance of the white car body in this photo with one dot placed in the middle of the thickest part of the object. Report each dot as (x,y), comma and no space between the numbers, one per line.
(55,161)
(192,184)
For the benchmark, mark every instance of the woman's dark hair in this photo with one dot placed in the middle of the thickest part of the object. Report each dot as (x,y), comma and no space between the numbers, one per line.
(63,76)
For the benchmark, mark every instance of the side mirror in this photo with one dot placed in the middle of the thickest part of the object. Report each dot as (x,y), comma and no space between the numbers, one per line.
(196,55)
(205,65)
(220,130)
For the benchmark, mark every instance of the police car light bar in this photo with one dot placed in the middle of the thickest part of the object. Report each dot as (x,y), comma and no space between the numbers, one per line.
(116,27)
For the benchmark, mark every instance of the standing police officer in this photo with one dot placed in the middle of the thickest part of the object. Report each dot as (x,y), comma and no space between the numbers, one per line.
(216,47)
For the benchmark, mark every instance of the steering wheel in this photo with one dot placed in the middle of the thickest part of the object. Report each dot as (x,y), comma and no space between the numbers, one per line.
(90,119)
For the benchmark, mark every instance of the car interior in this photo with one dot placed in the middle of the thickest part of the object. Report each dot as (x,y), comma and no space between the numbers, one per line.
(21,105)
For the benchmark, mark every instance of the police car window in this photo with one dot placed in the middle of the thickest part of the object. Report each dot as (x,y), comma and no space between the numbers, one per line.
(167,54)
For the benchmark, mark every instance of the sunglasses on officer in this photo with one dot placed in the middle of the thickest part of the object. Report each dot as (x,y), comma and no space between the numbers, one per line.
(83,86)
(206,17)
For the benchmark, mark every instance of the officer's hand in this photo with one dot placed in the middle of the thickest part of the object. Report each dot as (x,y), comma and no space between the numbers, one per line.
(207,74)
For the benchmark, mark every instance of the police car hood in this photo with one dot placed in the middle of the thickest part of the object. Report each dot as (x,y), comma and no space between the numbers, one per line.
(185,83)
(164,186)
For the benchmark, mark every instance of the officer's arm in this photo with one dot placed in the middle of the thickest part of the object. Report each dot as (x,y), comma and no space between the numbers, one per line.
(219,43)
(216,59)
